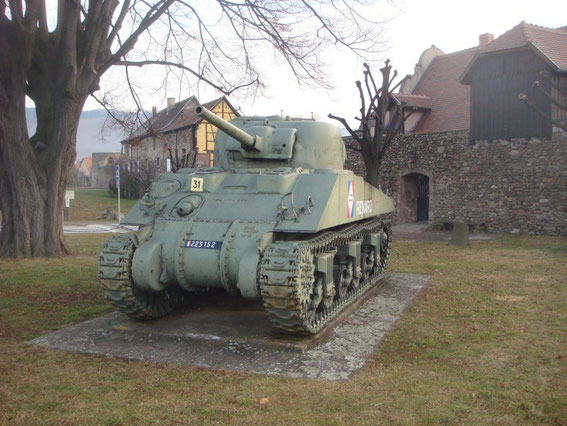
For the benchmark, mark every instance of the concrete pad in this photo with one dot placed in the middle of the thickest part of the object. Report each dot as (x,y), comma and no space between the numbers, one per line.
(222,332)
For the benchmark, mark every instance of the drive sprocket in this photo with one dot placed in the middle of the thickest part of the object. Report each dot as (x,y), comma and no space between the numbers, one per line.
(114,271)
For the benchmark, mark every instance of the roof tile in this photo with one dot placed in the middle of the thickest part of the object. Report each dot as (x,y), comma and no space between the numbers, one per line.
(181,115)
(88,161)
(449,98)
(550,42)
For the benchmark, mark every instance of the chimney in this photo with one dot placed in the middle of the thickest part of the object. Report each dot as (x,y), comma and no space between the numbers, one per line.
(170,103)
(154,111)
(485,39)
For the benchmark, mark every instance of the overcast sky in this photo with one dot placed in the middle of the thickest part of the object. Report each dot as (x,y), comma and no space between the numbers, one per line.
(415,25)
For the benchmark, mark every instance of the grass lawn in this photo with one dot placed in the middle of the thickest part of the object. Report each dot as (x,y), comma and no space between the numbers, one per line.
(89,204)
(485,342)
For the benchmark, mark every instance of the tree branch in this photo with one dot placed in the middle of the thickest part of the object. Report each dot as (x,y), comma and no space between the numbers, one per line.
(118,23)
(155,12)
(43,27)
(16,10)
(97,26)
(108,110)
(373,147)
(353,148)
(344,123)
(561,124)
(183,67)
(548,95)
(557,87)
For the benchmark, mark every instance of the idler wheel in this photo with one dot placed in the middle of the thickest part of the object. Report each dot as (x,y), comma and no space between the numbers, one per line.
(115,262)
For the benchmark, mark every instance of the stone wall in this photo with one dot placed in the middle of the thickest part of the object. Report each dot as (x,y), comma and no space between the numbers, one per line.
(512,186)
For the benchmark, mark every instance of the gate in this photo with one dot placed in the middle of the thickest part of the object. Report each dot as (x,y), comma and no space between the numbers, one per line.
(422,198)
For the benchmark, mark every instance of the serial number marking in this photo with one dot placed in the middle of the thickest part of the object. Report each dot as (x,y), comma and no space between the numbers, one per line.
(197,184)
(203,244)
(363,207)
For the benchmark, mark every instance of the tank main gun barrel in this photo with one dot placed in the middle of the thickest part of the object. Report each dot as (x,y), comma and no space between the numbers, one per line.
(247,141)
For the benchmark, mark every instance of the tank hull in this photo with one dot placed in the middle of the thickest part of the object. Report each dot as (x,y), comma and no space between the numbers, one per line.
(234,217)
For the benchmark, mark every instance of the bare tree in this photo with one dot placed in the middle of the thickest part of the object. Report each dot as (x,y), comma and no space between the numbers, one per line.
(183,160)
(381,119)
(58,61)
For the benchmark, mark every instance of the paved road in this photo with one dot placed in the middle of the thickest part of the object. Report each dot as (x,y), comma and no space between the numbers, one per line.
(98,228)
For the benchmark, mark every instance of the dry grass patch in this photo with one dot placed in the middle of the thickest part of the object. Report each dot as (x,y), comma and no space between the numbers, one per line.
(460,354)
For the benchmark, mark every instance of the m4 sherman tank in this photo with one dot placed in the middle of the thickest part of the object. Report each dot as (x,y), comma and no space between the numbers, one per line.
(276,219)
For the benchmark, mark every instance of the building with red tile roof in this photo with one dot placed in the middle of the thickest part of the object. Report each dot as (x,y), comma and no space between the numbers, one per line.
(518,84)
(446,78)
(550,44)
(82,171)
(449,97)
(176,131)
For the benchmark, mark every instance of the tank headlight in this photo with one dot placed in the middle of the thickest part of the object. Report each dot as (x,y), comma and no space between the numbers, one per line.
(185,208)
(187,205)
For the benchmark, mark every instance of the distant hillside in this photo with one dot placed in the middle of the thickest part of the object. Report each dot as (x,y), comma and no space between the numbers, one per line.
(91,137)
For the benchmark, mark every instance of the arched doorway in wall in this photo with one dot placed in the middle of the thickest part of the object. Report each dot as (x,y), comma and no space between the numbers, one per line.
(414,198)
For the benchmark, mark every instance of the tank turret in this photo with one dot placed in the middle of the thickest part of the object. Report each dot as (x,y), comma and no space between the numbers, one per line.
(276,219)
(271,142)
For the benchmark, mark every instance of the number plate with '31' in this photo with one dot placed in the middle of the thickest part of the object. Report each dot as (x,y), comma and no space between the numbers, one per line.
(197,184)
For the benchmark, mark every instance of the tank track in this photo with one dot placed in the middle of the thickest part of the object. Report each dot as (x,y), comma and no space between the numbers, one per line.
(118,288)
(292,299)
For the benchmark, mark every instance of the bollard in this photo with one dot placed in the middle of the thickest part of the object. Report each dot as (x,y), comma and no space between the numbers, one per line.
(460,234)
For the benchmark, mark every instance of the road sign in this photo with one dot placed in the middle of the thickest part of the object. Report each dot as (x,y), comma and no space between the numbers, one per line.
(118,188)
(69,195)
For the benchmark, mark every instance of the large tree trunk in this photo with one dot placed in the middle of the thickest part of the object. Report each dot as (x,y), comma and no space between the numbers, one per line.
(371,172)
(33,173)
(34,176)
(371,163)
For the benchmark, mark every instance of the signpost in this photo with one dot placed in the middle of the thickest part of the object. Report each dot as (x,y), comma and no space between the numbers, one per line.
(69,195)
(118,188)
